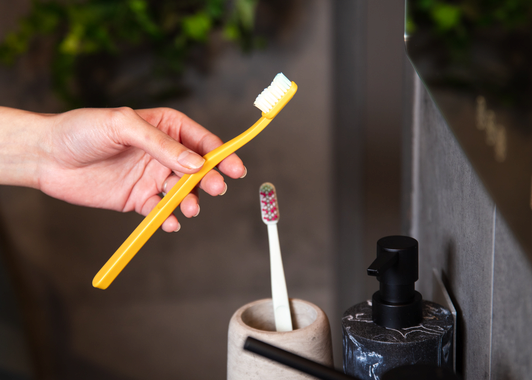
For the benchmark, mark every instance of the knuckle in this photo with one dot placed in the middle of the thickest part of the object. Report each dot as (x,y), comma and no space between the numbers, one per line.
(121,113)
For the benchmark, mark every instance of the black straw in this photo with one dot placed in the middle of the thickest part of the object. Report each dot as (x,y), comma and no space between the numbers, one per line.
(294,361)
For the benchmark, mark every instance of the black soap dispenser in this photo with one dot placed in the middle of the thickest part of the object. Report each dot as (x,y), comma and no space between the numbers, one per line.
(397,327)
(397,304)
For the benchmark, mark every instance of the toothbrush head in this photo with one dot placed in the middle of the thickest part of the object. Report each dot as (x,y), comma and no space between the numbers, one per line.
(276,94)
(268,203)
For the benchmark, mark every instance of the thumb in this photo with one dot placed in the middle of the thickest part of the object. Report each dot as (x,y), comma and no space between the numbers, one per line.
(159,145)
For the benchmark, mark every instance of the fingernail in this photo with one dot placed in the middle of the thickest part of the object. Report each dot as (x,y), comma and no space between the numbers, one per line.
(190,160)
(225,190)
(245,172)
(197,212)
(178,227)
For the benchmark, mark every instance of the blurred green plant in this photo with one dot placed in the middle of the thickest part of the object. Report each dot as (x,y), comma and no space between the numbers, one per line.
(453,17)
(456,24)
(105,30)
(480,46)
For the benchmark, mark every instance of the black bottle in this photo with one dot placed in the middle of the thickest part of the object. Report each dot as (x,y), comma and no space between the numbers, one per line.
(397,327)
(420,372)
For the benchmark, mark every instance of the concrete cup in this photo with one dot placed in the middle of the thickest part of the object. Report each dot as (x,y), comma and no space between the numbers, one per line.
(311,338)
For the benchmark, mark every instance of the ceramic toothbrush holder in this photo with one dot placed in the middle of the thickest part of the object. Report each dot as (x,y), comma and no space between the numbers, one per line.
(311,338)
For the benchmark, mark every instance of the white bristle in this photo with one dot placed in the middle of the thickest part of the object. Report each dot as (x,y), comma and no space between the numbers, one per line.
(282,80)
(276,90)
(271,95)
(271,98)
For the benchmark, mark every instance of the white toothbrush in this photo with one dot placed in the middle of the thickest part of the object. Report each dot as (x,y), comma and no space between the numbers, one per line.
(270,216)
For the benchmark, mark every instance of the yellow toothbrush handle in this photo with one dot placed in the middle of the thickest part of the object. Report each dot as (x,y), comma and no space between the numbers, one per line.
(165,207)
(173,198)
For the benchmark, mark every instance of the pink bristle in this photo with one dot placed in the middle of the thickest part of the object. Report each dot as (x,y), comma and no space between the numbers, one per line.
(269,203)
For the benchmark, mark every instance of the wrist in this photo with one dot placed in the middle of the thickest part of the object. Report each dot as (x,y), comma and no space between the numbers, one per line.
(22,146)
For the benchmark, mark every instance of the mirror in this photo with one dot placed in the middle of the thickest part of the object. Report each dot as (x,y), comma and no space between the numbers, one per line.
(475,59)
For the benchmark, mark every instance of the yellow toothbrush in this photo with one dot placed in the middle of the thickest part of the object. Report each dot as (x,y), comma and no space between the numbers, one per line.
(270,102)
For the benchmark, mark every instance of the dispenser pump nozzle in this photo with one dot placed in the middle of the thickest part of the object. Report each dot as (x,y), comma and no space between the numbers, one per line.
(383,261)
(396,304)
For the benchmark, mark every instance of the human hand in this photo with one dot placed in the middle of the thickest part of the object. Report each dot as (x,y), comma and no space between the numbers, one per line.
(121,159)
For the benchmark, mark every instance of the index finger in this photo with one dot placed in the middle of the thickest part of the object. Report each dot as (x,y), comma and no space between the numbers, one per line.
(193,135)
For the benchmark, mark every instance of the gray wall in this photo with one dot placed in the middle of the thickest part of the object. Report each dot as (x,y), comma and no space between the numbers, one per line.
(462,235)
(368,110)
(367,72)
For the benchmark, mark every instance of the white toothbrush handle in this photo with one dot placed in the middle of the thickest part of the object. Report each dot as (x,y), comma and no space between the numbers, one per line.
(281,306)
